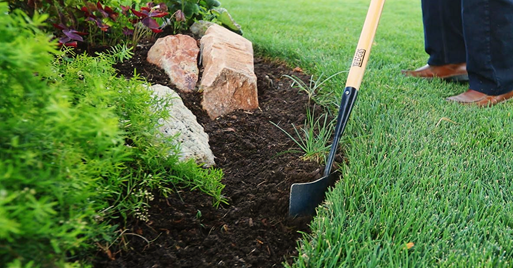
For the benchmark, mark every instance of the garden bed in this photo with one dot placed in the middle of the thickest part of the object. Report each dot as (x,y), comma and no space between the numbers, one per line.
(253,230)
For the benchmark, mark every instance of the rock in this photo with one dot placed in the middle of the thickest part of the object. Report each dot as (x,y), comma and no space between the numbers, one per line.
(226,20)
(189,133)
(178,56)
(228,82)
(199,28)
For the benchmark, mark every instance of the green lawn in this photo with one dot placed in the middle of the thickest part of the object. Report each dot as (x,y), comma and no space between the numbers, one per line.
(420,169)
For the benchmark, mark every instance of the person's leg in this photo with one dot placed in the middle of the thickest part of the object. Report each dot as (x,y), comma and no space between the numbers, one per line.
(443,41)
(488,32)
(443,31)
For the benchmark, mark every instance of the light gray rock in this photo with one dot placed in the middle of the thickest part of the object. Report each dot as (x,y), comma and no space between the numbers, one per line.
(199,28)
(189,133)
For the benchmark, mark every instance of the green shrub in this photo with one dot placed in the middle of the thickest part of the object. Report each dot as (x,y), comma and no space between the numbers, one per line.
(45,189)
(79,149)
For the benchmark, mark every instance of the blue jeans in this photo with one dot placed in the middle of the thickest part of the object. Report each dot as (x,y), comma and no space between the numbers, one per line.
(478,32)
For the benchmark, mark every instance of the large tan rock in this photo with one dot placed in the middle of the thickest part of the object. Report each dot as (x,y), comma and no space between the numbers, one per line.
(178,56)
(228,81)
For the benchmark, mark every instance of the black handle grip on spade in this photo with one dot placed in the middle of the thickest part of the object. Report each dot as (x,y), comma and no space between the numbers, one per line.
(355,76)
(346,106)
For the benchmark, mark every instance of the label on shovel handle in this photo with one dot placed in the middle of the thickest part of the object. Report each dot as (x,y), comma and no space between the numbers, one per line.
(359,55)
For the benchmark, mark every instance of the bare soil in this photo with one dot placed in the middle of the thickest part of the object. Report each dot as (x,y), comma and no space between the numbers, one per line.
(253,230)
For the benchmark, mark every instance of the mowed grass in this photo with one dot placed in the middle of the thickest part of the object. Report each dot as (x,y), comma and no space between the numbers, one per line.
(420,170)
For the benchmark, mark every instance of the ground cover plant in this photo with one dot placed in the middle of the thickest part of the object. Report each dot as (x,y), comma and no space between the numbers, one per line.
(79,149)
(427,183)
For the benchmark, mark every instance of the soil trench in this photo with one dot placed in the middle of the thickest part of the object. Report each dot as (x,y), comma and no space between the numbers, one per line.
(254,230)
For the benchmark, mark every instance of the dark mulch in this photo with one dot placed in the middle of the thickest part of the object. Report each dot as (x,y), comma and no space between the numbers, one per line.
(254,229)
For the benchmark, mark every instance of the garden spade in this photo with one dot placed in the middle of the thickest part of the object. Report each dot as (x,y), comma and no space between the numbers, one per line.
(305,197)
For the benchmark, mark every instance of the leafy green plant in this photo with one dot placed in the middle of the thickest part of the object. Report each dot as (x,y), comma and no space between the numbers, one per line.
(207,10)
(45,189)
(193,8)
(225,19)
(313,137)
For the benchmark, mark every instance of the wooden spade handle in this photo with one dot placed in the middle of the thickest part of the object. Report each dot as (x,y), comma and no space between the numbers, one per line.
(361,56)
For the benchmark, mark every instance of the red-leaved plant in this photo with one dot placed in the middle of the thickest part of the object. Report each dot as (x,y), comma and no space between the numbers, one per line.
(91,12)
(145,24)
(102,23)
(70,36)
(147,14)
